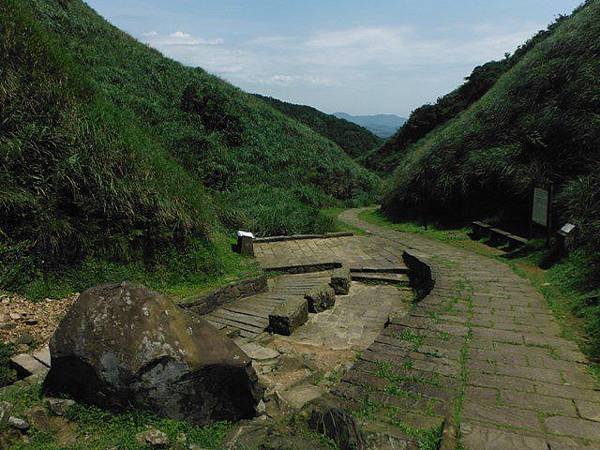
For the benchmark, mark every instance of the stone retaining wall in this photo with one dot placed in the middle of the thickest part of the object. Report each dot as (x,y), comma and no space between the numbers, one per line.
(233,291)
(297,237)
(422,277)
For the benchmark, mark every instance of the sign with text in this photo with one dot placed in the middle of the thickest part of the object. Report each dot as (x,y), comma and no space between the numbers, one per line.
(541,203)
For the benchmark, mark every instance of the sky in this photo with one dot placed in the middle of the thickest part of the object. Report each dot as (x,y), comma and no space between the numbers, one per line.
(355,56)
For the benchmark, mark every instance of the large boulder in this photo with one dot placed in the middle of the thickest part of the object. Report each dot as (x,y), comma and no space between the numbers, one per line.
(124,346)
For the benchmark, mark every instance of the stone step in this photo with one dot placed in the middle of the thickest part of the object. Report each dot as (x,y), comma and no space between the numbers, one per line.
(27,365)
(258,322)
(43,356)
(235,324)
(392,278)
(288,316)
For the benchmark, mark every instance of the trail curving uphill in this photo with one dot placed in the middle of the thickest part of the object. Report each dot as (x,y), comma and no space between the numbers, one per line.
(481,357)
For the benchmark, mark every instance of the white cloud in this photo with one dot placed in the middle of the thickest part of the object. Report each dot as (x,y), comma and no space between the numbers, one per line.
(177,38)
(365,59)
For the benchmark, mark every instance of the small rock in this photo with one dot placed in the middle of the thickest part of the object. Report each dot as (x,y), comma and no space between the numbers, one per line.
(15,316)
(17,423)
(284,349)
(290,364)
(258,352)
(339,426)
(59,406)
(261,408)
(40,418)
(5,410)
(22,348)
(298,395)
(308,356)
(153,437)
(24,338)
(31,321)
(341,280)
(321,298)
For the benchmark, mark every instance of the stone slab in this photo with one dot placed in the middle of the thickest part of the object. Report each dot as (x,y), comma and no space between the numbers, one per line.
(288,316)
(320,299)
(341,279)
(27,365)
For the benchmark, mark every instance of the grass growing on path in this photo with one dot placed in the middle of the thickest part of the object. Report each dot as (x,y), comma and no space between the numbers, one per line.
(333,214)
(565,286)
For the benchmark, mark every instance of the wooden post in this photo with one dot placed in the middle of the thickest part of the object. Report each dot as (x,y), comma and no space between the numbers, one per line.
(531,196)
(245,243)
(549,219)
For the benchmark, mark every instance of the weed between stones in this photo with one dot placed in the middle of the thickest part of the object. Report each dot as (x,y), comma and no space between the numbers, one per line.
(467,289)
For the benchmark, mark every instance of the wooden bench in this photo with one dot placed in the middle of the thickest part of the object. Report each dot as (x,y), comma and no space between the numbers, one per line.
(480,229)
(515,242)
(496,235)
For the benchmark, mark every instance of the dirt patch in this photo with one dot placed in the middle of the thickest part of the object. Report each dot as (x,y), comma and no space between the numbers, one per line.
(301,362)
(29,325)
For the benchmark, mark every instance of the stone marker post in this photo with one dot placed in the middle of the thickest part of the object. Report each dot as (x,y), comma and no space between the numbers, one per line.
(245,243)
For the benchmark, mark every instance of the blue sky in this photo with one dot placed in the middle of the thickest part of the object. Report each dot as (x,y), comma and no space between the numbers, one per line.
(357,56)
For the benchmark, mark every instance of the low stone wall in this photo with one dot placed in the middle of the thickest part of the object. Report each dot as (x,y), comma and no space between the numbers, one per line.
(297,237)
(305,268)
(239,289)
(422,278)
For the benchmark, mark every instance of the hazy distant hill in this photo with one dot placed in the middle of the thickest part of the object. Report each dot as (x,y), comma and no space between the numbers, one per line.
(352,138)
(382,125)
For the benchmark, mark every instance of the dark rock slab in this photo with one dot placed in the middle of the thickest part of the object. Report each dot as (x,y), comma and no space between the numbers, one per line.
(288,316)
(338,425)
(320,298)
(341,279)
(124,346)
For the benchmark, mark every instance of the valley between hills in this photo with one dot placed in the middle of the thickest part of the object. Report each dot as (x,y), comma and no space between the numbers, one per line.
(187,265)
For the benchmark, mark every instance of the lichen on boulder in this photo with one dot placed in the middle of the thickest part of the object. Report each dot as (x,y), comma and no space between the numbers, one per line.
(124,346)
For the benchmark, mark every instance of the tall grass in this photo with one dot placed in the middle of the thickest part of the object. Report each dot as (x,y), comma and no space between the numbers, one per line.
(111,152)
(539,123)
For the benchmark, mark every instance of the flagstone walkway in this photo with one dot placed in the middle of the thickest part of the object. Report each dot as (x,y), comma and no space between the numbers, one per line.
(482,356)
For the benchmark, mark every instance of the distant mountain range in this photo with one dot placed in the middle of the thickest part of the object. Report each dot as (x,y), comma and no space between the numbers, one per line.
(382,125)
(355,140)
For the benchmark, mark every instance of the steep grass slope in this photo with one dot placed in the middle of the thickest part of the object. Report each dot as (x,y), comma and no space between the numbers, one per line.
(540,122)
(110,150)
(355,140)
(428,117)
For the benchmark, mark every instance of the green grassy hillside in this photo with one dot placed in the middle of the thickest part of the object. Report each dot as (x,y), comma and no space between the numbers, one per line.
(540,122)
(428,117)
(355,140)
(109,150)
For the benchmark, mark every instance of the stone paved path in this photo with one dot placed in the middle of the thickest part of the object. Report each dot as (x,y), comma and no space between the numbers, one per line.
(482,354)
(353,251)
